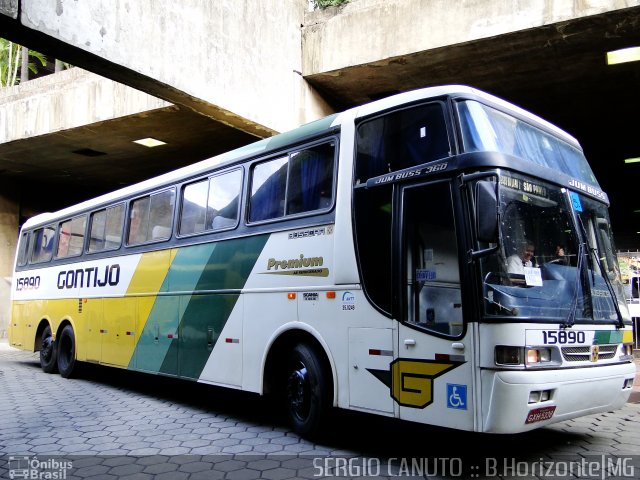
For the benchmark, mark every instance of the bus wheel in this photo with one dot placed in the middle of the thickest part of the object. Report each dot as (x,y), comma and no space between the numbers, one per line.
(308,398)
(48,352)
(67,352)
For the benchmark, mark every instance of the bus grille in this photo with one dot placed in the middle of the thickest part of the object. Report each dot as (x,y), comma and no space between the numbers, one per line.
(582,354)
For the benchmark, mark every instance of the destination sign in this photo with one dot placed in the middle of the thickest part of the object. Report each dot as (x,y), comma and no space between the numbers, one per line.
(525,186)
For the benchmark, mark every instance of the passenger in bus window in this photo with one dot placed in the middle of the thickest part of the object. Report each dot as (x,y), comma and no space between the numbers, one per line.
(138,224)
(560,256)
(63,242)
(517,261)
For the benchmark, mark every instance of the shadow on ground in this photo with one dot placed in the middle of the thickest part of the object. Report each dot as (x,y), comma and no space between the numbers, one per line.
(352,432)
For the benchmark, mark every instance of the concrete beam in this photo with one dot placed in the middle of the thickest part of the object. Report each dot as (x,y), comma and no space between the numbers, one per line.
(394,28)
(236,62)
(69,99)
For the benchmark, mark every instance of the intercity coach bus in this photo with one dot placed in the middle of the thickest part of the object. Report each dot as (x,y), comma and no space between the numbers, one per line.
(359,262)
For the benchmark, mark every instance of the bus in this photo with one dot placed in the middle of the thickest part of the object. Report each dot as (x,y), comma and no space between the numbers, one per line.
(633,302)
(357,262)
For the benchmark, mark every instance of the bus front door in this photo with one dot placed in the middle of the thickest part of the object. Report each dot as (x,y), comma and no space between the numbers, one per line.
(432,376)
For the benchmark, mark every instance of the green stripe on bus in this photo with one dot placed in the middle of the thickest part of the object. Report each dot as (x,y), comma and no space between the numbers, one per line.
(184,272)
(198,312)
(604,337)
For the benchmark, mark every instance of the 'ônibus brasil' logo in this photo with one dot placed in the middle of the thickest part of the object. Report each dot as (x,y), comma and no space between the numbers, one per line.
(411,381)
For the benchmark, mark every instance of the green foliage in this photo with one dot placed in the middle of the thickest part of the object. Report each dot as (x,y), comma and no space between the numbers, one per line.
(11,61)
(625,269)
(322,4)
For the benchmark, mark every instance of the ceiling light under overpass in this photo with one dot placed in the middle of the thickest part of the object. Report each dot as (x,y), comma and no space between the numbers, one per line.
(150,142)
(632,160)
(624,55)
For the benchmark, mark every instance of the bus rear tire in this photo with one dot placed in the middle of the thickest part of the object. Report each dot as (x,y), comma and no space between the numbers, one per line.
(48,352)
(67,352)
(307,391)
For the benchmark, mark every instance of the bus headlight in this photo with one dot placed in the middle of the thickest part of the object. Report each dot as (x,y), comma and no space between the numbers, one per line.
(538,355)
(508,355)
(529,356)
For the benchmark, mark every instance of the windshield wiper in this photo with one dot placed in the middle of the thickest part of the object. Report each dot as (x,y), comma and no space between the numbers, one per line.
(584,277)
(571,318)
(510,311)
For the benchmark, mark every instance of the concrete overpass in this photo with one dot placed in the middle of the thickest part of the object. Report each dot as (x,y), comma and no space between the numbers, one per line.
(208,76)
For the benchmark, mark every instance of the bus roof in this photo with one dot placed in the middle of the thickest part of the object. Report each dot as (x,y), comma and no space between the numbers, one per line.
(296,135)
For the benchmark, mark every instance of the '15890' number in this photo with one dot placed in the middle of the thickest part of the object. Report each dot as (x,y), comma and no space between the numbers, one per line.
(27,283)
(563,337)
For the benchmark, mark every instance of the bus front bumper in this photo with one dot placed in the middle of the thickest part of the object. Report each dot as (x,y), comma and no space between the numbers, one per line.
(515,401)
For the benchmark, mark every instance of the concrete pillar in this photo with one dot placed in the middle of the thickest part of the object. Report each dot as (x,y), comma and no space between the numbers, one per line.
(9,208)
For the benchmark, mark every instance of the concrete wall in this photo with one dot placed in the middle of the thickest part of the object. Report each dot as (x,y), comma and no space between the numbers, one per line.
(8,241)
(368,31)
(236,59)
(68,99)
(63,101)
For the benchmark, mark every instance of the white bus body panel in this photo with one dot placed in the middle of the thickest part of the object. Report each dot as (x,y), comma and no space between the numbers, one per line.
(506,395)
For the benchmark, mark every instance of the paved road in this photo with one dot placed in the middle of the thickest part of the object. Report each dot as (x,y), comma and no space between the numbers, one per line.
(112,424)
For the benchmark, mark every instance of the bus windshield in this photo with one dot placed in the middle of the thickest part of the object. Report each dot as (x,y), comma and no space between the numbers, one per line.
(552,265)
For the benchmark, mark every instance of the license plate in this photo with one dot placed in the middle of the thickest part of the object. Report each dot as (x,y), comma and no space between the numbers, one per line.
(540,414)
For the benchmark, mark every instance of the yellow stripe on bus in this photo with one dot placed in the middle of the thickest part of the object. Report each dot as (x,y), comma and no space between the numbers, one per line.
(125,318)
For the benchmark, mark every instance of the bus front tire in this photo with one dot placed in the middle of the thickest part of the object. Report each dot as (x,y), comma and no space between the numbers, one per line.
(48,350)
(307,392)
(67,352)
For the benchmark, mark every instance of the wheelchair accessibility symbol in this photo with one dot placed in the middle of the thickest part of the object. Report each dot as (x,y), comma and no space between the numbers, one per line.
(456,396)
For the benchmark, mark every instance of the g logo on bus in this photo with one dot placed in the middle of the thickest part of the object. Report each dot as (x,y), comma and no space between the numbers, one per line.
(594,353)
(412,381)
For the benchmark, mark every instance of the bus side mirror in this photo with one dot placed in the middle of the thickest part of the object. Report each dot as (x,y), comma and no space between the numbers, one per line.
(486,212)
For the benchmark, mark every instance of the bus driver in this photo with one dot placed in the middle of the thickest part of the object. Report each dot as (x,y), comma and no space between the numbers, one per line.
(517,261)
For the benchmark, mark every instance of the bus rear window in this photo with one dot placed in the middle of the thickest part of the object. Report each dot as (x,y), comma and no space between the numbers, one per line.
(23,249)
(106,229)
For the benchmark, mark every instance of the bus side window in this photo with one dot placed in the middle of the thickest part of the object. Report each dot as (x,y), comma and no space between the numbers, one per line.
(150,217)
(310,184)
(211,204)
(224,195)
(194,208)
(161,214)
(71,237)
(106,229)
(400,140)
(138,221)
(43,244)
(268,188)
(23,249)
